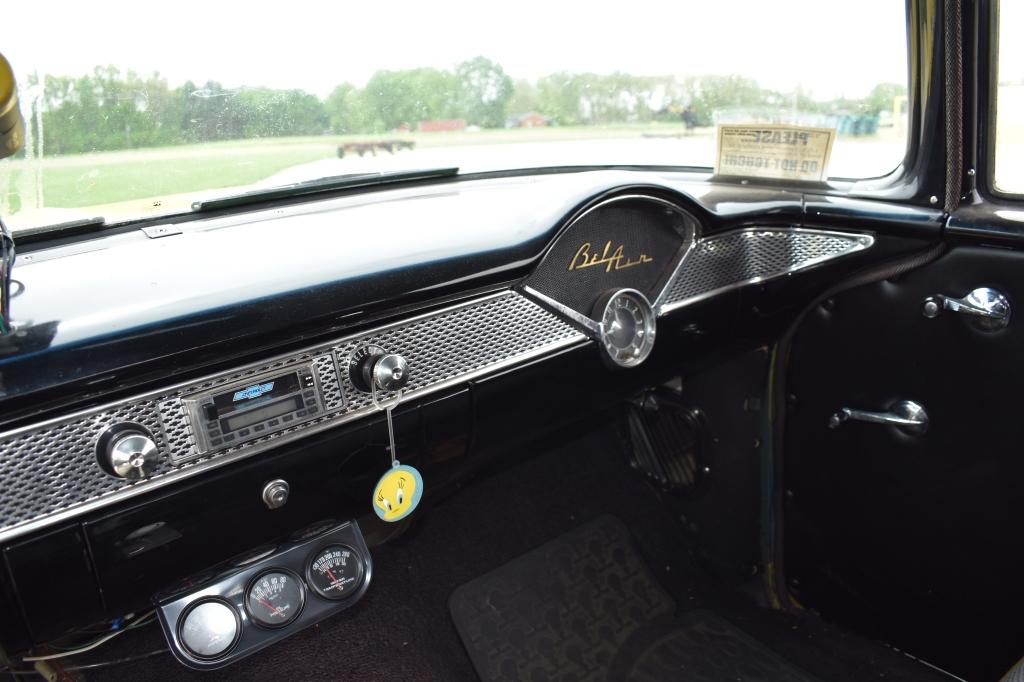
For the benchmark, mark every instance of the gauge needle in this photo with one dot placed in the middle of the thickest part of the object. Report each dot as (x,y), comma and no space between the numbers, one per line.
(333,579)
(275,609)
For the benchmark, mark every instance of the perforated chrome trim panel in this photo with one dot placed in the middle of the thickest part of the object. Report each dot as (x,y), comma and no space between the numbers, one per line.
(49,472)
(327,378)
(181,443)
(733,259)
(55,467)
(513,320)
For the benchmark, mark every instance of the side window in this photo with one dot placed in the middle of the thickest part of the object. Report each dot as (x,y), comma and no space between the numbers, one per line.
(1009,148)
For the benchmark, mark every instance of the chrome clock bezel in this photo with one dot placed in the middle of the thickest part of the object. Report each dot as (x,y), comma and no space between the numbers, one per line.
(642,341)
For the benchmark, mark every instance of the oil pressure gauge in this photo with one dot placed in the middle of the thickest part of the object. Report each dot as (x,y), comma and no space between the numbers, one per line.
(336,572)
(626,326)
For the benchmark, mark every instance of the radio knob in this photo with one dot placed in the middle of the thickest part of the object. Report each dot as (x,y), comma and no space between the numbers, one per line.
(372,367)
(391,372)
(128,452)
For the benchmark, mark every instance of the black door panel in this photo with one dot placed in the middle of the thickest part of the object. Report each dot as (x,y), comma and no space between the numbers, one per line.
(915,537)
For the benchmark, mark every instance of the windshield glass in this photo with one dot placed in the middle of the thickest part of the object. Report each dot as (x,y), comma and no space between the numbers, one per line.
(132,112)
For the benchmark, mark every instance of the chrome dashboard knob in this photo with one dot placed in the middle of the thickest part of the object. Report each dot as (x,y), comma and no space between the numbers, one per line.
(390,372)
(129,453)
(372,367)
(275,493)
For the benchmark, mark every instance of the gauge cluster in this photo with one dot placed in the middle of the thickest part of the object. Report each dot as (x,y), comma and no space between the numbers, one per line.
(265,595)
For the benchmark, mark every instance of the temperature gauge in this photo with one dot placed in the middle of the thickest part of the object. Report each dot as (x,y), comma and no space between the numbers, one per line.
(275,598)
(336,572)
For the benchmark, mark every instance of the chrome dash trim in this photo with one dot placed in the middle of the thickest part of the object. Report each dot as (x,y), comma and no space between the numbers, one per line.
(49,473)
(562,309)
(738,258)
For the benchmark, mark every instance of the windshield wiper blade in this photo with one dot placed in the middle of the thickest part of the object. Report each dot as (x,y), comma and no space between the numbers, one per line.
(27,235)
(327,184)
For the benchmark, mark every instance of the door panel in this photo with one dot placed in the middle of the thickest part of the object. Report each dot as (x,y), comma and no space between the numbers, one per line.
(917,537)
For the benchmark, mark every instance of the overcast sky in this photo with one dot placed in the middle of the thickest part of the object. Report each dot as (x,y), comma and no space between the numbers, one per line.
(832,47)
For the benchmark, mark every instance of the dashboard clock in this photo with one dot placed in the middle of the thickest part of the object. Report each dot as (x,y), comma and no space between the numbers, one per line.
(625,327)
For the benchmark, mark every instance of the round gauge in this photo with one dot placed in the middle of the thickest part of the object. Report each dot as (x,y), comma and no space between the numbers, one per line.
(336,572)
(275,598)
(209,628)
(626,326)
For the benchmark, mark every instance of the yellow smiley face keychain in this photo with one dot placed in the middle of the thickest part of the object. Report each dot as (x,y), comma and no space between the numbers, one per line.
(397,493)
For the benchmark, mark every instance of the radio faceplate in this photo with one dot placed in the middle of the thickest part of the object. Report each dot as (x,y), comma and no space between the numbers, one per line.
(250,409)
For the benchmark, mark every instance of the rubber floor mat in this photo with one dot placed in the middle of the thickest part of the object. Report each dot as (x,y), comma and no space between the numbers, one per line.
(585,607)
(701,646)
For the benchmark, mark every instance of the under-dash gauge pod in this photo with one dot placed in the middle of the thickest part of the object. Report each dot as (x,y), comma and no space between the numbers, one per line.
(625,327)
(372,367)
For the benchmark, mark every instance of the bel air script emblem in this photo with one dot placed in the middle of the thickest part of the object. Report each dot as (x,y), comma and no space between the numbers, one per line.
(611,259)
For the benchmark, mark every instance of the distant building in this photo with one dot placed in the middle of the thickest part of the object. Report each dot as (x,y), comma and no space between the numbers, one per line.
(528,120)
(448,125)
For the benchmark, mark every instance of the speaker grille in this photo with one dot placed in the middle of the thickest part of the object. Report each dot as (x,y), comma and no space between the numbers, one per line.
(664,437)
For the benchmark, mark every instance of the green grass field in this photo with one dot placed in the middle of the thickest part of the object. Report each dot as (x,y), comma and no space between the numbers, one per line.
(140,174)
(110,177)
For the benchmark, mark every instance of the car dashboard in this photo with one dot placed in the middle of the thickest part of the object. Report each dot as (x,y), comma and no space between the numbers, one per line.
(212,402)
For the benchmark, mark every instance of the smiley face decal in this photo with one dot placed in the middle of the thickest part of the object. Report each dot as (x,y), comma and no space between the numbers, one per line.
(397,493)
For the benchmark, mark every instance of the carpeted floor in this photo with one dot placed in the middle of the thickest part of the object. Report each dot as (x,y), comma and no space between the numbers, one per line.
(402,628)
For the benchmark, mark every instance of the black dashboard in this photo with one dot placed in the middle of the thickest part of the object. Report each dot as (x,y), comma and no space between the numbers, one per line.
(217,385)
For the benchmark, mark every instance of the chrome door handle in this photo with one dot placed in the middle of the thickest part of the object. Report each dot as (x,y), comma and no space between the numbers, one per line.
(907,415)
(988,308)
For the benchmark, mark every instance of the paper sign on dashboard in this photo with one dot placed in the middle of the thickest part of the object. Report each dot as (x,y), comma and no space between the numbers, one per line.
(774,151)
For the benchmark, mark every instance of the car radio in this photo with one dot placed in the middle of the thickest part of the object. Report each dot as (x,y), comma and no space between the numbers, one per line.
(252,409)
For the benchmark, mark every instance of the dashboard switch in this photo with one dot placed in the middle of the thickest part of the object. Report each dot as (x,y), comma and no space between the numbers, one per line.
(275,493)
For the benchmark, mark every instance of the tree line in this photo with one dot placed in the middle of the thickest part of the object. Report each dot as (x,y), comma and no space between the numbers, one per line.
(110,109)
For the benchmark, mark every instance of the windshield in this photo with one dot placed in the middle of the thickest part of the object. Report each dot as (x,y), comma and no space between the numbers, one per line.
(131,112)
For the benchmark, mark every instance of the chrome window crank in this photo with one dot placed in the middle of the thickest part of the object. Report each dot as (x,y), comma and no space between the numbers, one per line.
(908,416)
(988,309)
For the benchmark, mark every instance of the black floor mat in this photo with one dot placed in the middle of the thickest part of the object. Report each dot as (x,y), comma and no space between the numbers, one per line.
(701,646)
(585,607)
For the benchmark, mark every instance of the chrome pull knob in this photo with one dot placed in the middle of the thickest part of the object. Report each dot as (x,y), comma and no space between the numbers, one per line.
(275,493)
(987,308)
(130,454)
(372,368)
(908,416)
(390,372)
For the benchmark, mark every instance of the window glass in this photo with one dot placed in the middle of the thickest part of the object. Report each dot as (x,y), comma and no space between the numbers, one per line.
(1009,158)
(133,112)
